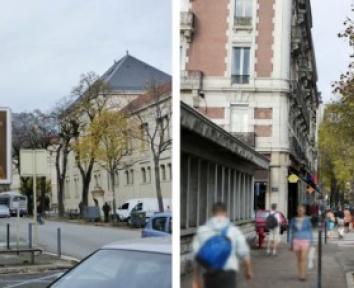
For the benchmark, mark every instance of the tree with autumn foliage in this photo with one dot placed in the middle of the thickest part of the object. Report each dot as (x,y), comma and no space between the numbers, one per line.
(336,136)
(110,133)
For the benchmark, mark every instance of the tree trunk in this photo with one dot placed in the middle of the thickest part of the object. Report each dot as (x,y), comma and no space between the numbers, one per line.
(86,180)
(158,183)
(61,175)
(114,196)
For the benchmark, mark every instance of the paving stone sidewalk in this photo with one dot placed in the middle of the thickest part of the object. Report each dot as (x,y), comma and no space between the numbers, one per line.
(280,271)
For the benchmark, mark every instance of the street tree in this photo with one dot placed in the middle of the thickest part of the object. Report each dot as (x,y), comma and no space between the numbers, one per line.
(90,97)
(112,131)
(153,113)
(31,130)
(336,132)
(67,130)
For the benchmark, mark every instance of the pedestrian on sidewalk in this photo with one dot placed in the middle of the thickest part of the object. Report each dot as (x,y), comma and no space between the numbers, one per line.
(340,223)
(219,247)
(347,220)
(300,237)
(330,222)
(273,223)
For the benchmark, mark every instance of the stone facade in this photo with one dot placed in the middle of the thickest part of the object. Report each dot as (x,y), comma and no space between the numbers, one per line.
(267,91)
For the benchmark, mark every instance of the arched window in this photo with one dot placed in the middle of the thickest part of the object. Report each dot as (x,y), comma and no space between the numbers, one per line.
(163,172)
(143,175)
(149,174)
(131,176)
(127,177)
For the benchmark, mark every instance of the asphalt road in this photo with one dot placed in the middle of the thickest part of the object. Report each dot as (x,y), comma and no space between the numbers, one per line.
(77,240)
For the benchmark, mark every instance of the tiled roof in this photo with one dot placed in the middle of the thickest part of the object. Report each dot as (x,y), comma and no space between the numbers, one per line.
(132,74)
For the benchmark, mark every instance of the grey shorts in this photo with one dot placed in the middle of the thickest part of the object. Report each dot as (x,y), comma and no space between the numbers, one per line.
(220,279)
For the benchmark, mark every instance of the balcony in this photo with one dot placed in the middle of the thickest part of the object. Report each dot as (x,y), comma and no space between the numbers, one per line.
(187,25)
(243,21)
(297,150)
(191,80)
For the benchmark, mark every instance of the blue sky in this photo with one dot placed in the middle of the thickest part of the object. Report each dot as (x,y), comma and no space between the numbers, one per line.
(46,45)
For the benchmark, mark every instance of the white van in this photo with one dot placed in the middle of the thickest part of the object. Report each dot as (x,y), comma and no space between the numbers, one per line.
(148,205)
(14,200)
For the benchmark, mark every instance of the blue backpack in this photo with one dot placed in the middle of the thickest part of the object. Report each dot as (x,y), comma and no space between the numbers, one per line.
(215,251)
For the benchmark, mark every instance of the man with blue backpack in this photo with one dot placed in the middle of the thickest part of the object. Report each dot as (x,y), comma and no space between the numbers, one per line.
(219,246)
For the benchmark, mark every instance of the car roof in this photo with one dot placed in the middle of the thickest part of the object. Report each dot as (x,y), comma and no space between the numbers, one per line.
(153,244)
(163,214)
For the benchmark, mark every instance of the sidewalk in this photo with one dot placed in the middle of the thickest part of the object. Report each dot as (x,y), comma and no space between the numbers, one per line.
(280,271)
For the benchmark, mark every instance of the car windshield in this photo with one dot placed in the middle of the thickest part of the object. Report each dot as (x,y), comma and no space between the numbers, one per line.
(120,269)
(125,206)
(3,207)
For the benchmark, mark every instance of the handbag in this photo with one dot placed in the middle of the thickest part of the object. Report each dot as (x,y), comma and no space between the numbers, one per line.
(311,258)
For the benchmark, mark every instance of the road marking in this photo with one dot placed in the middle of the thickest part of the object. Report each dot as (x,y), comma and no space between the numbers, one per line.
(41,279)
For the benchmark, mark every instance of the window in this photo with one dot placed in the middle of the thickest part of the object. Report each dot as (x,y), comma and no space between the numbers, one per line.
(149,174)
(164,127)
(138,207)
(243,12)
(159,224)
(143,175)
(76,187)
(143,136)
(163,172)
(131,176)
(127,177)
(239,118)
(240,69)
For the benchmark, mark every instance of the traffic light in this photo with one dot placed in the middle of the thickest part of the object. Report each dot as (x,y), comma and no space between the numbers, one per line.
(5,146)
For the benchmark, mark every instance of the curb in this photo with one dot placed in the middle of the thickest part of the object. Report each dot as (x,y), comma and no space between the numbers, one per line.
(64,257)
(350,279)
(34,269)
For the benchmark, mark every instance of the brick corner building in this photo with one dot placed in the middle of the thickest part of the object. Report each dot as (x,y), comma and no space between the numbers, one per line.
(249,66)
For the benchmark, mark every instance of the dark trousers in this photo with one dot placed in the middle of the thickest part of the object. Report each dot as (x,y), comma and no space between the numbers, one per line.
(220,279)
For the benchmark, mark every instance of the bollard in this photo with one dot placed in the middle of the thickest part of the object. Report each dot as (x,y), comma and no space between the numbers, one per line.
(59,242)
(30,235)
(325,232)
(8,236)
(319,266)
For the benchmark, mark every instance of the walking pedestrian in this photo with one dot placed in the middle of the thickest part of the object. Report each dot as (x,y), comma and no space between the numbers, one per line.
(330,222)
(347,220)
(300,237)
(340,223)
(219,246)
(273,223)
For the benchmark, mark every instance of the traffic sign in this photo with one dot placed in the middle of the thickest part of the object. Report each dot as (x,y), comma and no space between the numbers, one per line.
(33,162)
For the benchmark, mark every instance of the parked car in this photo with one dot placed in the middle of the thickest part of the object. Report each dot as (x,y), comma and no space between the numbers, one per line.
(14,200)
(159,225)
(4,211)
(261,216)
(133,264)
(147,205)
